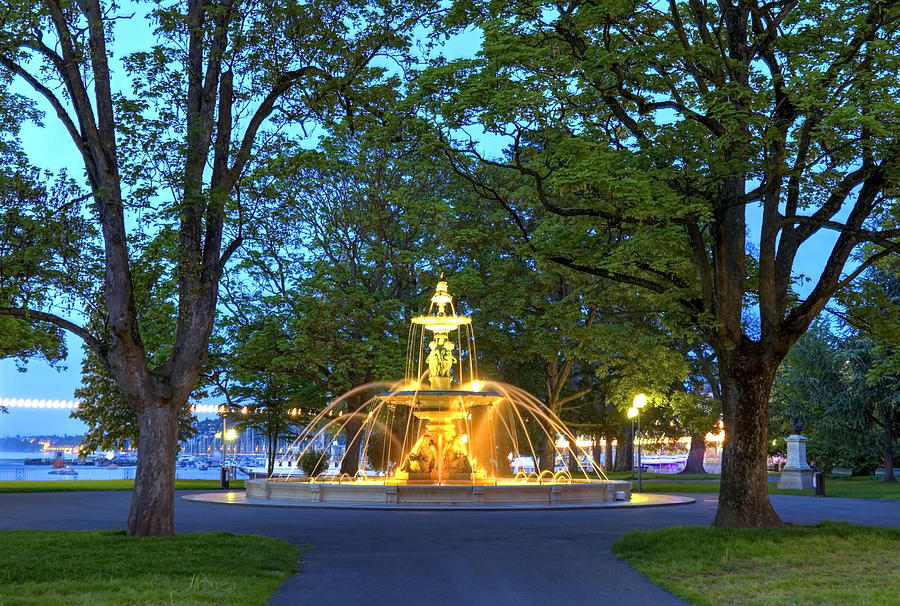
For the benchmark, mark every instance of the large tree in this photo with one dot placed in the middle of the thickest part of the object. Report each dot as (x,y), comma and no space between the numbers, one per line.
(168,148)
(347,255)
(662,134)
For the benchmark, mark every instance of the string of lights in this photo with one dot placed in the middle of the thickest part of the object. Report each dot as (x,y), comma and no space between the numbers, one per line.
(34,403)
(207,408)
(224,409)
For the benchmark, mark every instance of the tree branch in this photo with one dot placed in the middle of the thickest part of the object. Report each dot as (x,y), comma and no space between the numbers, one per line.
(574,396)
(54,101)
(611,275)
(863,235)
(97,346)
(282,84)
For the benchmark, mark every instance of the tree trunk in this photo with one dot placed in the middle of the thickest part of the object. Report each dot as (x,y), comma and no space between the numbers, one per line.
(271,448)
(696,455)
(608,453)
(350,462)
(624,450)
(153,501)
(888,446)
(575,465)
(744,492)
(546,454)
(597,451)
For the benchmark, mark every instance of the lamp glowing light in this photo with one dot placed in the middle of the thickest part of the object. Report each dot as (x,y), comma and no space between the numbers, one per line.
(640,400)
(632,412)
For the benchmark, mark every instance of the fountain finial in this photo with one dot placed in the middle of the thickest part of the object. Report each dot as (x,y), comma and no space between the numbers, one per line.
(440,319)
(441,298)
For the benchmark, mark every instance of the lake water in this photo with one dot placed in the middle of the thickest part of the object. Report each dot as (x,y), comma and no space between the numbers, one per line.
(12,467)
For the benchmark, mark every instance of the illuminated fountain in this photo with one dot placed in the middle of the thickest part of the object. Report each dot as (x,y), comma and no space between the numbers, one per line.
(442,435)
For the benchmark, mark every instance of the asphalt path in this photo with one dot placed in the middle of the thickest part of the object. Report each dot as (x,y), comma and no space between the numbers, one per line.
(433,558)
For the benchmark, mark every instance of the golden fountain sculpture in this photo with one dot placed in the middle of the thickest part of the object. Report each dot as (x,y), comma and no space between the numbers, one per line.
(443,398)
(440,436)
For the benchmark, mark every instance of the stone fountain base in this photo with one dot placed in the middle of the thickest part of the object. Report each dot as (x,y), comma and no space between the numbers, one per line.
(430,494)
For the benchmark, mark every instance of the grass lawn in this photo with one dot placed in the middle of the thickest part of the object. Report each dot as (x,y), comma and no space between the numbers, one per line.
(56,567)
(857,488)
(626,475)
(831,563)
(668,486)
(69,485)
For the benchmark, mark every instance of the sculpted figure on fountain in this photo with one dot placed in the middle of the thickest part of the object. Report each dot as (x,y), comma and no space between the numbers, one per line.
(456,459)
(423,457)
(440,358)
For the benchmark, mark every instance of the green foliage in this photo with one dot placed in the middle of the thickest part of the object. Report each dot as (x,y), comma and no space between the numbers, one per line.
(343,259)
(253,369)
(578,344)
(312,462)
(824,381)
(627,123)
(830,563)
(687,153)
(171,146)
(111,422)
(24,340)
(873,308)
(57,567)
(42,233)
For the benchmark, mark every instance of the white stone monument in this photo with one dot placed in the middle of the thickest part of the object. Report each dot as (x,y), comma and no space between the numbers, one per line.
(796,473)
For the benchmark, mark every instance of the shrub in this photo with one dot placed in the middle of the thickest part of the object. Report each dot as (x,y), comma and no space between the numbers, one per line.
(312,462)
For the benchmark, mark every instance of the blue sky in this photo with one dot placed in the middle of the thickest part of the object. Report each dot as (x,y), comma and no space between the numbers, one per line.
(44,148)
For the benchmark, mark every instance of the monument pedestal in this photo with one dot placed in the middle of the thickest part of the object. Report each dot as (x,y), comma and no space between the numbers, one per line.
(796,473)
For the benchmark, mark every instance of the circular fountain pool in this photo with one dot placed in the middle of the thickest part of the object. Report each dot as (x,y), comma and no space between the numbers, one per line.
(494,493)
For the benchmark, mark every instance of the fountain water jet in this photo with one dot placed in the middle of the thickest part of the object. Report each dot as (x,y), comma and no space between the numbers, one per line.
(441,435)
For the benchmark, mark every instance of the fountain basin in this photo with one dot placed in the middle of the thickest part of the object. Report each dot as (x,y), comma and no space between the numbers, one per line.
(493,493)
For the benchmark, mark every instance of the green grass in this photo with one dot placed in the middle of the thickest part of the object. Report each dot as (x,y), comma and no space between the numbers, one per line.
(831,563)
(856,488)
(626,475)
(664,486)
(100,568)
(70,485)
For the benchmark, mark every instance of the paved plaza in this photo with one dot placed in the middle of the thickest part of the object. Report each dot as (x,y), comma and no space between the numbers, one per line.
(433,558)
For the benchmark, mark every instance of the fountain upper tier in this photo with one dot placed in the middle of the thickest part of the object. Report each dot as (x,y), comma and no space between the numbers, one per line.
(441,406)
(434,362)
(437,319)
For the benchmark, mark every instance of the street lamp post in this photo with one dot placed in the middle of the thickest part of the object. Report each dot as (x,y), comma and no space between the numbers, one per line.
(224,438)
(632,413)
(640,401)
(228,435)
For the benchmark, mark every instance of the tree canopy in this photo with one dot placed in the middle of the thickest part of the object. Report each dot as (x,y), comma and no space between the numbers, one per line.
(658,136)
